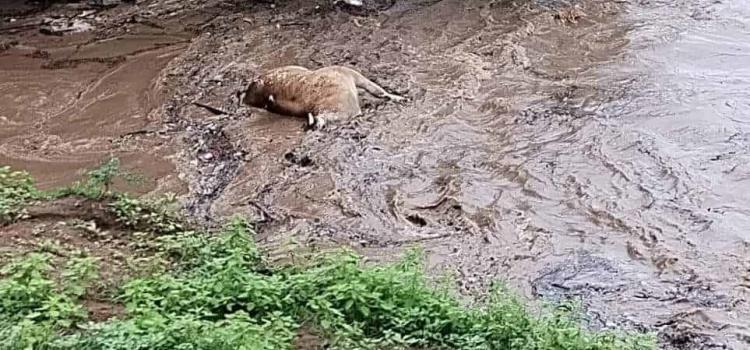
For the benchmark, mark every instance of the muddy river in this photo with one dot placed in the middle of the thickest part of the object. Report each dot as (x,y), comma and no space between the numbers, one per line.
(596,150)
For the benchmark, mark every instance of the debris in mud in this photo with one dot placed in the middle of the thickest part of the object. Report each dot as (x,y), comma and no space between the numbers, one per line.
(366,7)
(61,26)
(579,276)
(416,220)
(206,157)
(72,63)
(569,15)
(109,3)
(352,2)
(7,44)
(42,54)
(683,332)
(79,208)
(214,110)
(303,161)
(218,162)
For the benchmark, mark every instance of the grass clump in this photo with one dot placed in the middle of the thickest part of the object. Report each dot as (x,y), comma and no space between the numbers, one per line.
(221,295)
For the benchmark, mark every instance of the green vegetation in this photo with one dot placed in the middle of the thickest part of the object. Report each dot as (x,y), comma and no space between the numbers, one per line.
(219,293)
(153,216)
(98,183)
(16,190)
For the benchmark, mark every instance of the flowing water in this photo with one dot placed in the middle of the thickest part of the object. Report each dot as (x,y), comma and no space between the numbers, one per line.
(593,149)
(68,103)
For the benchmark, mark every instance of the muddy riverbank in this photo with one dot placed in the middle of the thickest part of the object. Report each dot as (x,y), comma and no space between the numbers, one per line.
(593,149)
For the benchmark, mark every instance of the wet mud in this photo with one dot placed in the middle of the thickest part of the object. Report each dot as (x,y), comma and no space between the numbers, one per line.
(592,149)
(69,102)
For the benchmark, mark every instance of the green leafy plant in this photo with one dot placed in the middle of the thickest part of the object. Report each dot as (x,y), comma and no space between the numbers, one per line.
(16,190)
(25,334)
(156,216)
(28,293)
(34,308)
(98,182)
(78,275)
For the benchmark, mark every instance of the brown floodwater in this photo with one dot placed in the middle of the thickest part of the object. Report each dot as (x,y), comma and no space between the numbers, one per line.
(66,104)
(597,150)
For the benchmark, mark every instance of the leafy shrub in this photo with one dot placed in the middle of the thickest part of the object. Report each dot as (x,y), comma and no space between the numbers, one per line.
(25,334)
(27,292)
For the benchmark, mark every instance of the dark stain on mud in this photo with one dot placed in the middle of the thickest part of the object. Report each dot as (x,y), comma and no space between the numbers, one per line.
(590,150)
